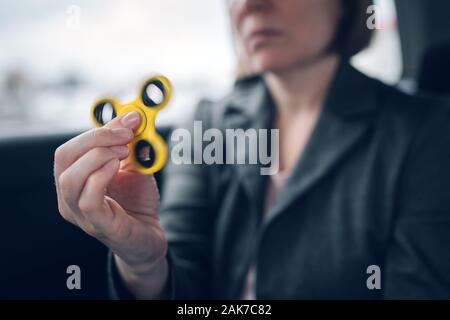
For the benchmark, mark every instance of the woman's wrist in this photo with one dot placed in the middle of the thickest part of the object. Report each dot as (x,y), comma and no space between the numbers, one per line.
(145,281)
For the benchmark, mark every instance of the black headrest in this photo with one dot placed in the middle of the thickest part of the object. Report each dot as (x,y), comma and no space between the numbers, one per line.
(434,75)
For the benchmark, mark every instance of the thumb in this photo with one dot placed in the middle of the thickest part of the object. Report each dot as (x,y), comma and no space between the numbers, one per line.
(130,120)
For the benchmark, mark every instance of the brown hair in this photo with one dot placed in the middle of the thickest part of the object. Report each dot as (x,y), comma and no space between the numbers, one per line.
(352,35)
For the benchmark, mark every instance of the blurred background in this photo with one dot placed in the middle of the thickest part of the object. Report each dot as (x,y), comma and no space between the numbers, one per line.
(56,57)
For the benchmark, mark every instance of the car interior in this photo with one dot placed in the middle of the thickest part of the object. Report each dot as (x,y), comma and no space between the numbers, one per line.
(35,254)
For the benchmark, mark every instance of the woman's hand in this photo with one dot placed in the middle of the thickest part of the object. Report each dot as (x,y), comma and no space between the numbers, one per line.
(99,191)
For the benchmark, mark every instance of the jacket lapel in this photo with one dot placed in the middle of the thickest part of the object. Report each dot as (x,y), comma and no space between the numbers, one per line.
(343,124)
(250,109)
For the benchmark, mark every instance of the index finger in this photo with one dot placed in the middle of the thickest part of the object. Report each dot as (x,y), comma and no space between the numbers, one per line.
(118,131)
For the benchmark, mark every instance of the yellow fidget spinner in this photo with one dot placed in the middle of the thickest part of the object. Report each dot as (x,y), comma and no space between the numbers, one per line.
(148,149)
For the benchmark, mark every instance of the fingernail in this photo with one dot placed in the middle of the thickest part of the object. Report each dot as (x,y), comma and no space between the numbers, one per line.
(131,120)
(121,151)
(122,133)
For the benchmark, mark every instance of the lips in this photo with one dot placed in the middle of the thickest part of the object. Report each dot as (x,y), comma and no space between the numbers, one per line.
(262,36)
(264,33)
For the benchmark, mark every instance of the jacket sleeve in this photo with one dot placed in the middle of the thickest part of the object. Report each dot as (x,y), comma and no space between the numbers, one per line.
(187,217)
(418,259)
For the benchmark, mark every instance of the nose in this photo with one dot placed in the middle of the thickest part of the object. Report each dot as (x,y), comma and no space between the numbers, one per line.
(256,5)
(249,6)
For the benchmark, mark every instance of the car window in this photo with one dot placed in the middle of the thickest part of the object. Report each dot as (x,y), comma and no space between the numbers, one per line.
(57,57)
(383,59)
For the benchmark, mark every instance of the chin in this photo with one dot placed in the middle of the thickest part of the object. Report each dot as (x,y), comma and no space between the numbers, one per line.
(264,62)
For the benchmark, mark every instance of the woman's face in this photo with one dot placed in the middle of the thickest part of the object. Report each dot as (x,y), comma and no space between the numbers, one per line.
(277,34)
